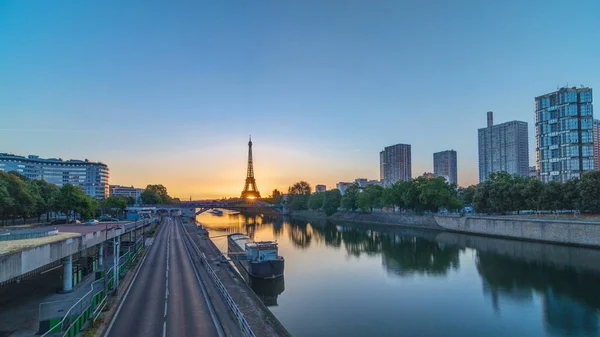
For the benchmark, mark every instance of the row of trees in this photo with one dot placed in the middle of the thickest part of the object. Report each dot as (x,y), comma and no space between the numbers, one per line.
(503,193)
(24,198)
(157,194)
(419,195)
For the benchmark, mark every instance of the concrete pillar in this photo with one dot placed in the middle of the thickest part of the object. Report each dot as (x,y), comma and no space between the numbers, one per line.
(101,254)
(67,274)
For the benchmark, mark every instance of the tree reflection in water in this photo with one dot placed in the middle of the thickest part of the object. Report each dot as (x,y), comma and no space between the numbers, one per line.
(401,254)
(570,298)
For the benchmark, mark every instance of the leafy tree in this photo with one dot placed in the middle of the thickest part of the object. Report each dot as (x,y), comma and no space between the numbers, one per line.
(161,191)
(47,193)
(71,199)
(481,198)
(316,200)
(150,197)
(276,196)
(533,193)
(410,195)
(331,201)
(349,199)
(370,197)
(571,196)
(552,196)
(23,202)
(298,196)
(467,194)
(6,200)
(589,191)
(114,205)
(301,187)
(297,202)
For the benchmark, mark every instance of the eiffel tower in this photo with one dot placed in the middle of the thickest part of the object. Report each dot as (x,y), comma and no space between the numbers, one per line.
(250,191)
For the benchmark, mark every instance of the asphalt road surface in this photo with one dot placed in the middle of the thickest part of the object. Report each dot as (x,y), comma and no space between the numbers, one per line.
(165,298)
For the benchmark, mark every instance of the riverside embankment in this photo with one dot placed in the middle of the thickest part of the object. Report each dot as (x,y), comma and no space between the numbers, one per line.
(570,232)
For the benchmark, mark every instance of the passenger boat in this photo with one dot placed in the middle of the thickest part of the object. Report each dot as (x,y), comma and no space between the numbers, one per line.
(259,259)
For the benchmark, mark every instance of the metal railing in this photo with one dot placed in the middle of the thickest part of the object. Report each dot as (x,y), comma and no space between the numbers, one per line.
(244,326)
(71,317)
(76,309)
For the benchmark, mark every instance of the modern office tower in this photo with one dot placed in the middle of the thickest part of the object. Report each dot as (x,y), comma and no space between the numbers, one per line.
(503,148)
(564,134)
(395,164)
(533,173)
(444,165)
(597,144)
(92,177)
(320,188)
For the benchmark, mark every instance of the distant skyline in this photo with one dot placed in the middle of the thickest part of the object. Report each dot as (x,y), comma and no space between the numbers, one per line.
(168,93)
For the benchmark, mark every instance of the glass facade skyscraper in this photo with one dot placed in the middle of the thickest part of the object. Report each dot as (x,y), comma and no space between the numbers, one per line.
(503,148)
(597,144)
(92,177)
(444,165)
(564,134)
(395,164)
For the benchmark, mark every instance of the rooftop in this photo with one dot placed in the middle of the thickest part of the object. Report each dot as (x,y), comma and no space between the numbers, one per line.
(34,158)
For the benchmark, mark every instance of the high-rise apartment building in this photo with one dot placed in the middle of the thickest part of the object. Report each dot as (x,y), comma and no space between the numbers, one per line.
(597,144)
(444,165)
(395,164)
(503,148)
(92,177)
(564,134)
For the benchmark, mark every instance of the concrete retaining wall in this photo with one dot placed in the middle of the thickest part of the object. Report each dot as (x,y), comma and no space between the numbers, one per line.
(557,231)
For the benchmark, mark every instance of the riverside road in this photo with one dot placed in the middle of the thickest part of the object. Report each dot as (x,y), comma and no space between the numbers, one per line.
(166,297)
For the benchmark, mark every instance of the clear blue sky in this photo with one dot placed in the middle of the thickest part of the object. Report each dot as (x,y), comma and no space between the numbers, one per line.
(322,86)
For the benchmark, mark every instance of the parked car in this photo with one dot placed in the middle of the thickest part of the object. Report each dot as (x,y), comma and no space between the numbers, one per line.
(92,222)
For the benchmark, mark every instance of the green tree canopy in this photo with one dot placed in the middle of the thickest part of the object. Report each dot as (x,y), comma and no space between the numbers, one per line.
(316,200)
(370,197)
(301,187)
(589,191)
(71,198)
(350,198)
(331,201)
(151,197)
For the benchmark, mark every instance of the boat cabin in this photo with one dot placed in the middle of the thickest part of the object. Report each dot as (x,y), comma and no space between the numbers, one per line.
(262,251)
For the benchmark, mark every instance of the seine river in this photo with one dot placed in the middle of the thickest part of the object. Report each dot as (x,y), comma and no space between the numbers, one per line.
(370,280)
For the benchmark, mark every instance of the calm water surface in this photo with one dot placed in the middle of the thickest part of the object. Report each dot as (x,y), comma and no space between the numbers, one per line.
(369,280)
